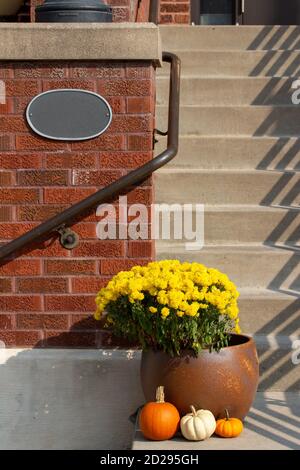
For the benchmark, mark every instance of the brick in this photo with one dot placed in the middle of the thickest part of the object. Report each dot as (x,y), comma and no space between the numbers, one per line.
(30,142)
(59,267)
(85,230)
(166,19)
(117,104)
(140,196)
(125,87)
(6,70)
(42,321)
(42,177)
(12,124)
(61,195)
(15,303)
(70,303)
(85,322)
(139,70)
(14,230)
(174,7)
(42,285)
(6,178)
(140,142)
(71,160)
(105,339)
(140,249)
(113,266)
(94,177)
(104,142)
(131,123)
(87,285)
(58,84)
(121,15)
(22,87)
(100,248)
(124,160)
(38,213)
(5,213)
(21,267)
(72,339)
(6,142)
(96,70)
(20,160)
(7,107)
(47,69)
(6,322)
(5,285)
(20,338)
(21,103)
(47,249)
(18,196)
(119,3)
(182,19)
(140,105)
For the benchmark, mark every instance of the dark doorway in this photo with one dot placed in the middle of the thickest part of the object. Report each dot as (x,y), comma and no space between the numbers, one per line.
(209,12)
(271,12)
(246,12)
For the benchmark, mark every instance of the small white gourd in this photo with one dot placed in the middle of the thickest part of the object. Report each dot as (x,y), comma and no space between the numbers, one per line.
(198,425)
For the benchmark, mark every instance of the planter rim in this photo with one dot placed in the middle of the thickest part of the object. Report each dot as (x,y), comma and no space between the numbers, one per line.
(249,340)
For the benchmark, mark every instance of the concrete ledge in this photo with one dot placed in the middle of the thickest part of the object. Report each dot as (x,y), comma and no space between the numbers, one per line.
(71,41)
(68,398)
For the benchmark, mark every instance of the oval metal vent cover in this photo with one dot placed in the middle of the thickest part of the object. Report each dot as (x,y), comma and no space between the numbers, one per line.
(68,114)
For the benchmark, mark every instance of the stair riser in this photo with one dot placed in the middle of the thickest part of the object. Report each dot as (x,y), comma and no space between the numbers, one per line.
(246,269)
(238,63)
(270,316)
(269,188)
(235,153)
(237,226)
(236,120)
(277,372)
(232,38)
(229,92)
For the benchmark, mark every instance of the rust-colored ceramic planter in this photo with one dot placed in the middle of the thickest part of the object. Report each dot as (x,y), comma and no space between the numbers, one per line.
(212,381)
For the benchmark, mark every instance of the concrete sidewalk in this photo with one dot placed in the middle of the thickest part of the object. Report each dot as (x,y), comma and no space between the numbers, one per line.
(273,423)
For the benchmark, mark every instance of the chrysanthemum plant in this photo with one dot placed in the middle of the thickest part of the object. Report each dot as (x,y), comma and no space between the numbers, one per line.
(171,306)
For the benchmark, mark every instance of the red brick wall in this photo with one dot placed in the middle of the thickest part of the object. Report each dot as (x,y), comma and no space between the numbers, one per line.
(174,11)
(47,295)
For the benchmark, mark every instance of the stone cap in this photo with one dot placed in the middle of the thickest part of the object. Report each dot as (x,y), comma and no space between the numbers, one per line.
(80,41)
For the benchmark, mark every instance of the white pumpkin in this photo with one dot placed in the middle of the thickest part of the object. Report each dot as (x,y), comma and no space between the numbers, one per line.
(198,425)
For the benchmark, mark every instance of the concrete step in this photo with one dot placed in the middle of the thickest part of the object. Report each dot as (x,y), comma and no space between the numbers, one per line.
(227,187)
(249,266)
(277,121)
(268,315)
(236,63)
(229,91)
(229,225)
(215,152)
(230,37)
(273,423)
(278,370)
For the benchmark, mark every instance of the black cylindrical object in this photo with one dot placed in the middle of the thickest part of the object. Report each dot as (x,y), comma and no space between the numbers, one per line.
(73,11)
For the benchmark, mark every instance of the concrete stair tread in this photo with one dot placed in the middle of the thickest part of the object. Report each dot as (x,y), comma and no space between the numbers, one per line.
(175,171)
(245,208)
(218,38)
(254,248)
(272,423)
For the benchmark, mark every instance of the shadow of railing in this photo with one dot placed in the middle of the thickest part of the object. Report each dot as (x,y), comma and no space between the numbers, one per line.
(283,125)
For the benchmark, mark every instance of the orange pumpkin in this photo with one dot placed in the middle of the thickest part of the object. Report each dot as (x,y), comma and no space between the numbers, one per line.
(159,420)
(229,427)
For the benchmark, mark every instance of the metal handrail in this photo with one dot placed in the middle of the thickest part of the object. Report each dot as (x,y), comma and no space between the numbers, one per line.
(65,218)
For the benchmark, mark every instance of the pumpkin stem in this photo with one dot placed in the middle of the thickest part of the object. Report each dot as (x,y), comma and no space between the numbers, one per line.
(226,414)
(160,394)
(193,410)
